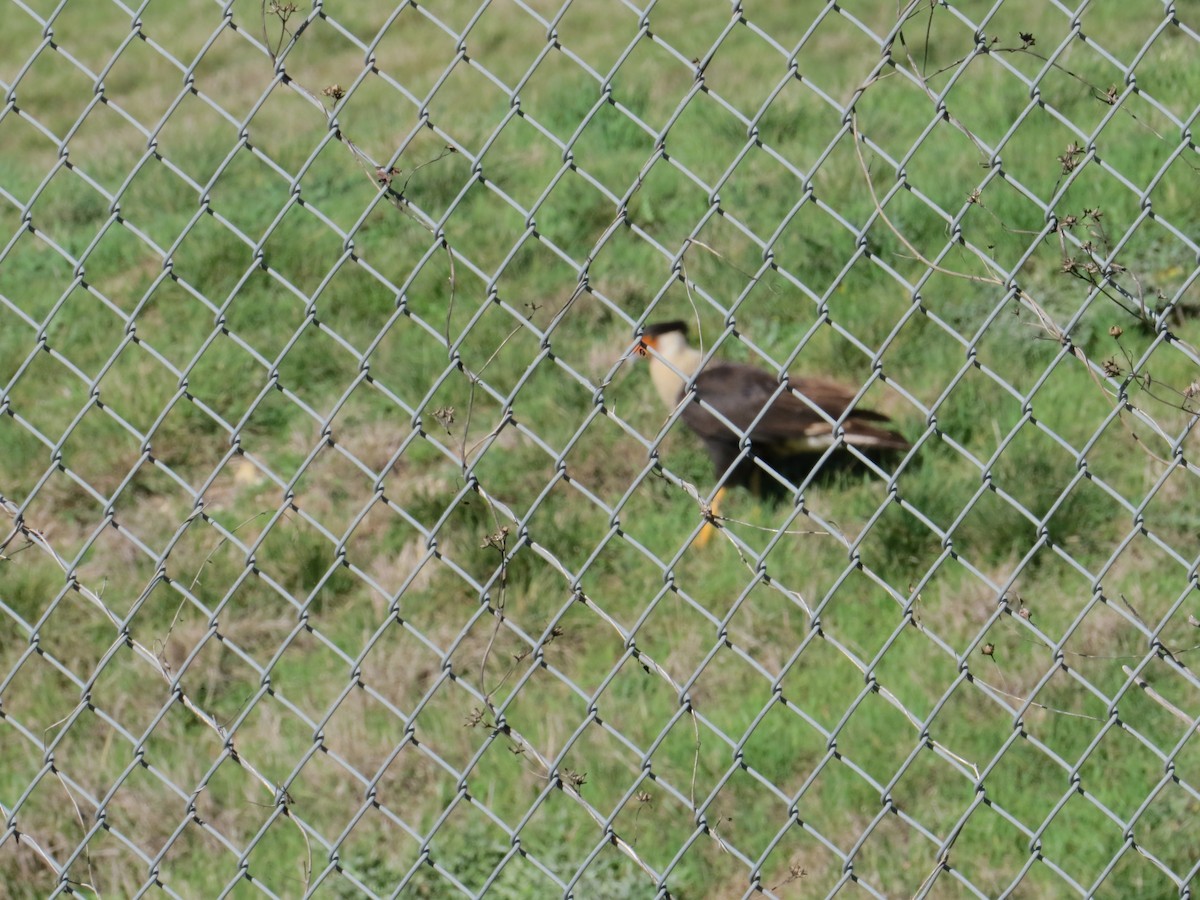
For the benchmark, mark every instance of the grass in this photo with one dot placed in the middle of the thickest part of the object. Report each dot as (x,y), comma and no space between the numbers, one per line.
(390,441)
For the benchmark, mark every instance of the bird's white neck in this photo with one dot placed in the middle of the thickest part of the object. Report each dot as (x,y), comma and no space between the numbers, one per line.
(673,365)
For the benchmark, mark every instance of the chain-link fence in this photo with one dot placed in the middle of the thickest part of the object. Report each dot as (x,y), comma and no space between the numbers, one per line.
(348,550)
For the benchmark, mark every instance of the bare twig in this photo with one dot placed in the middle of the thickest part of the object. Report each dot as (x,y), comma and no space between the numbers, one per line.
(1162,701)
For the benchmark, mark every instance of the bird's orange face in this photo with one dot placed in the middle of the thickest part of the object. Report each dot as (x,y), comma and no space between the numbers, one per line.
(645,344)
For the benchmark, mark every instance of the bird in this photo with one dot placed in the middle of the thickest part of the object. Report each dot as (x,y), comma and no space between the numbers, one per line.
(790,436)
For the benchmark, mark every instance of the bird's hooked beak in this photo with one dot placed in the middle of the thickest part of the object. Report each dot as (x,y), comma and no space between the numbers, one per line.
(644,345)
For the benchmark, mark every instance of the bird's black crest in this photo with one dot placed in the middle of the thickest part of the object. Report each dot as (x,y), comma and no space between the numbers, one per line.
(665,328)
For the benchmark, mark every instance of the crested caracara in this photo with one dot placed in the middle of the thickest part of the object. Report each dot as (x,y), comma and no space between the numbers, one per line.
(789,437)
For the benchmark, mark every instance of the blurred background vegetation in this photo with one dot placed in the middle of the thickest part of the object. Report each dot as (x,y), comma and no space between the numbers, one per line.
(313,357)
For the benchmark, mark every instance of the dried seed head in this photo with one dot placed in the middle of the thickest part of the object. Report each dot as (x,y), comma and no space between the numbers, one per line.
(496,539)
(573,778)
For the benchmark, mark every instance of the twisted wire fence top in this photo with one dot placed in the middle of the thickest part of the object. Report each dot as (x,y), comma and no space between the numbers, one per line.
(346,550)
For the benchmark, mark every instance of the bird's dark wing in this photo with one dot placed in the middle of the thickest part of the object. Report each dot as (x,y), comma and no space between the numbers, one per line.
(740,392)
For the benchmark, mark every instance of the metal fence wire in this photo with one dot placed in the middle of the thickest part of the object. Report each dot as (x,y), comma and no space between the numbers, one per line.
(348,551)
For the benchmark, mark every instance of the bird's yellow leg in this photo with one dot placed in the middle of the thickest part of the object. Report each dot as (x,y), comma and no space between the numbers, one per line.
(714,513)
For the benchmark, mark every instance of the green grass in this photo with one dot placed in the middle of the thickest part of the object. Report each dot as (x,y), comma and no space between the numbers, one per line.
(334,381)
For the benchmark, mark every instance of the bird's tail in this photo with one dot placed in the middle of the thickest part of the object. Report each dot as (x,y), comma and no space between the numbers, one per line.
(863,434)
